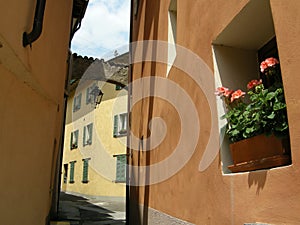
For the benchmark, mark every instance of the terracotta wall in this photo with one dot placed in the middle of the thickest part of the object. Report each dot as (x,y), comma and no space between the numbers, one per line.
(210,197)
(32,88)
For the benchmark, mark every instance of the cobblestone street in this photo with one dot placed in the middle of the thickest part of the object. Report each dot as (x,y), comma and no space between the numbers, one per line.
(77,210)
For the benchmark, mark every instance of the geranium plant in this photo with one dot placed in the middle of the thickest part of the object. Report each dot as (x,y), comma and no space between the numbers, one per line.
(263,111)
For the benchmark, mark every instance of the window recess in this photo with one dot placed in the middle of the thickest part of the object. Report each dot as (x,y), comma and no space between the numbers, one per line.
(237,52)
(88,134)
(120,125)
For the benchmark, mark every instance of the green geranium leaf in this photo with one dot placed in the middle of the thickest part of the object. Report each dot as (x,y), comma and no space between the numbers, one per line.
(270,96)
(271,116)
(249,130)
(234,132)
(278,106)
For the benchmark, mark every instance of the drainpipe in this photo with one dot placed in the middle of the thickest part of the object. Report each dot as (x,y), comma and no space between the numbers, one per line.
(37,28)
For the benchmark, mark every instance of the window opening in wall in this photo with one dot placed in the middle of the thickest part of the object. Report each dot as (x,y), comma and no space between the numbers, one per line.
(238,51)
(77,102)
(120,125)
(172,29)
(65,173)
(74,139)
(88,134)
(89,96)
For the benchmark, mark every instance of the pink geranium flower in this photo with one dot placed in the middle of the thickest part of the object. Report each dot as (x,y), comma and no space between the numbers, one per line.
(227,93)
(263,66)
(237,94)
(269,62)
(253,83)
(220,91)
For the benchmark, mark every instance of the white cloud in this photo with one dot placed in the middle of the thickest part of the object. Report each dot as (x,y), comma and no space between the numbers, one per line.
(104,28)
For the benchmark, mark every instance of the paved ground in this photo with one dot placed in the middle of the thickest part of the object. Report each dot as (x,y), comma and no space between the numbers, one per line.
(78,210)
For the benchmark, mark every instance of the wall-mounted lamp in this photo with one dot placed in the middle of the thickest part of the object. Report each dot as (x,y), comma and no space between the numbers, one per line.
(97,96)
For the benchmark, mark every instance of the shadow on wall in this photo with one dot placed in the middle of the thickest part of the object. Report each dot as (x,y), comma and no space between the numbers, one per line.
(139,215)
(257,178)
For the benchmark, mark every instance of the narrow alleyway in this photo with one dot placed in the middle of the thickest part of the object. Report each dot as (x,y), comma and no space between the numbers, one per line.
(79,210)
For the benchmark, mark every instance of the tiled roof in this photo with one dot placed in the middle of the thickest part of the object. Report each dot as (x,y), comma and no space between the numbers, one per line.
(87,68)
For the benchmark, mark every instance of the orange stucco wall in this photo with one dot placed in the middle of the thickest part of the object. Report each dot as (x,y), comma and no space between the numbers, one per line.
(209,197)
(32,89)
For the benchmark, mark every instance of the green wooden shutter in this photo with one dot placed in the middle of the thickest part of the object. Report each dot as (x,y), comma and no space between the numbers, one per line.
(121,168)
(85,170)
(90,130)
(71,142)
(116,130)
(72,169)
(76,138)
(84,135)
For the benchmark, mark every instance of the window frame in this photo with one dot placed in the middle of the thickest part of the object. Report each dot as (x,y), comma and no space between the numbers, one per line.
(65,173)
(89,97)
(77,102)
(76,134)
(120,125)
(172,35)
(88,129)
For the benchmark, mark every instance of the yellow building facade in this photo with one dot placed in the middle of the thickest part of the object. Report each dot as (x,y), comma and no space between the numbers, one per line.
(94,160)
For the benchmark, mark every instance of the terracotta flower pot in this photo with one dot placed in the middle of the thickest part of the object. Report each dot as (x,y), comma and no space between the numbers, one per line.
(259,152)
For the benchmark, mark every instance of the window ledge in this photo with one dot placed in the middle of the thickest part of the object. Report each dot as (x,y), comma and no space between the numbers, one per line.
(120,135)
(120,181)
(265,163)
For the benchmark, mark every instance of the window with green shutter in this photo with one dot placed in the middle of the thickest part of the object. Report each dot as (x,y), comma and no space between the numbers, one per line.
(72,170)
(74,139)
(120,125)
(85,170)
(121,168)
(88,134)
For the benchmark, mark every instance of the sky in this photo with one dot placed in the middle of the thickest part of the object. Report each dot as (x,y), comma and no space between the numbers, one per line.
(104,29)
